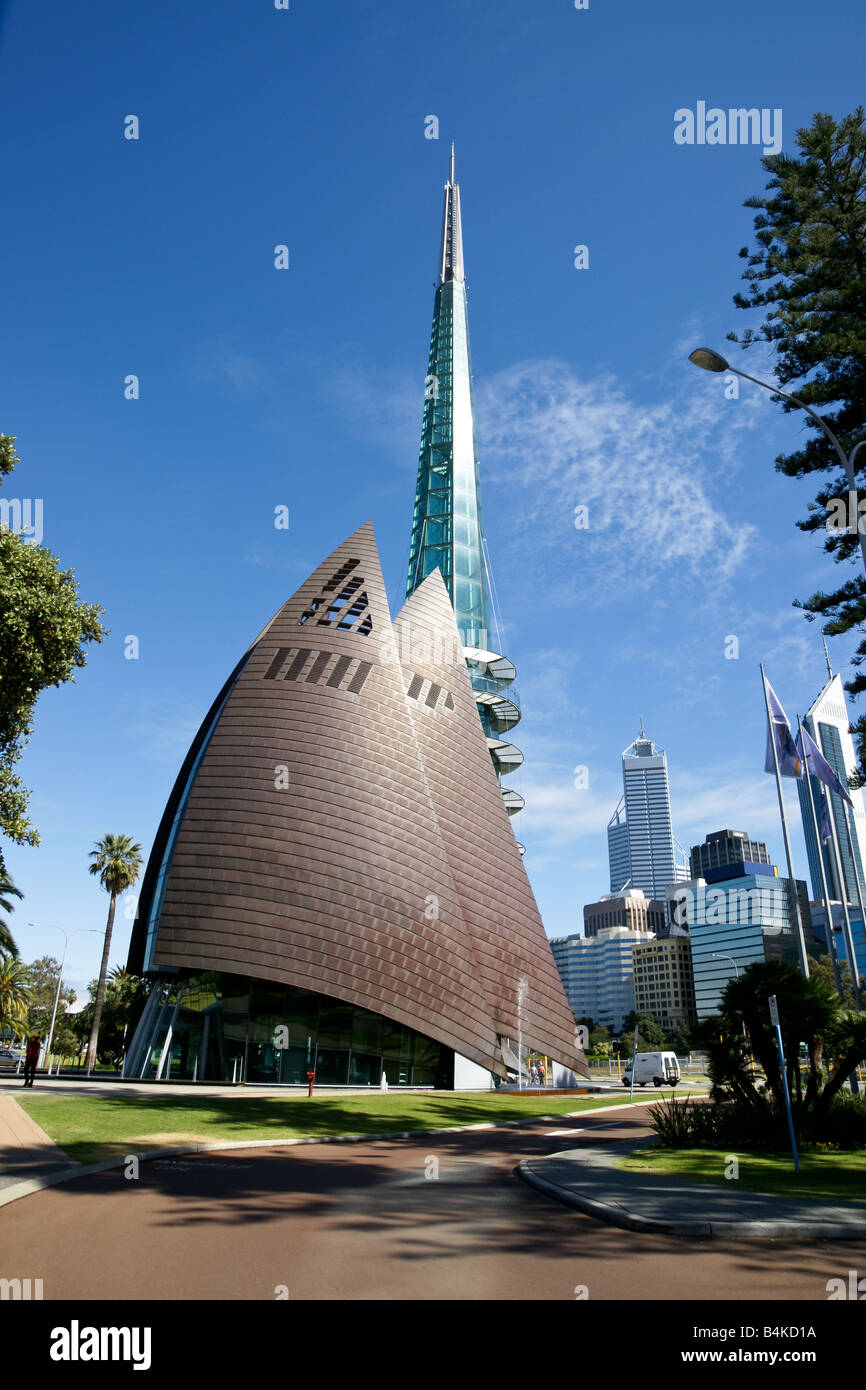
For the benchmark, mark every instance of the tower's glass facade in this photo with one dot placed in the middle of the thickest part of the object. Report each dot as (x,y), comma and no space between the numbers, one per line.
(447,532)
(446,525)
(828,722)
(736,923)
(641,846)
(220,1027)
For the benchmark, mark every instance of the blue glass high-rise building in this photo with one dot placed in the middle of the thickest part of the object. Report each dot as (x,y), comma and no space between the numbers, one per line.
(828,722)
(641,846)
(447,531)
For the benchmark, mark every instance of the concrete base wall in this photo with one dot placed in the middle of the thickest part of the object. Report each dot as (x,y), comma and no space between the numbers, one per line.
(468,1076)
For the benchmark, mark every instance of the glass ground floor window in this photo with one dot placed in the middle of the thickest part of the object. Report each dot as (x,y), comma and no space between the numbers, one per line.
(216,1027)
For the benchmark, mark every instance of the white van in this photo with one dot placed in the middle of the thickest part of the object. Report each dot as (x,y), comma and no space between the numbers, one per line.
(661,1068)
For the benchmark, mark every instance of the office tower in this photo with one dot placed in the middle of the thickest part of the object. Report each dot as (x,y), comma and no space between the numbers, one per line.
(447,530)
(641,847)
(663,983)
(723,848)
(829,724)
(736,921)
(632,909)
(597,973)
(858,935)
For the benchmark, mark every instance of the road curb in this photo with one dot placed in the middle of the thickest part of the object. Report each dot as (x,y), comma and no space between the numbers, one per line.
(694,1230)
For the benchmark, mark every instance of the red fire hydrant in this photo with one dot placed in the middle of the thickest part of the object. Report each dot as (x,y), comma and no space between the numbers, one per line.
(311,1076)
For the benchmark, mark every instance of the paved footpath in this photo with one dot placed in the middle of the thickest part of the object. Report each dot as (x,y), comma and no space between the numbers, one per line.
(26,1151)
(588,1179)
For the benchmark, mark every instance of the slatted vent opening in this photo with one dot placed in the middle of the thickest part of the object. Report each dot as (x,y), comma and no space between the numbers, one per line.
(417,686)
(347,605)
(341,575)
(338,671)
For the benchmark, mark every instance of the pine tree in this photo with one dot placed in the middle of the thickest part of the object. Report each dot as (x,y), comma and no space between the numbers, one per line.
(808,273)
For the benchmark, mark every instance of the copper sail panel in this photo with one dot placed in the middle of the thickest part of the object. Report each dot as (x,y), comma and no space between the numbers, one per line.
(314,848)
(498,905)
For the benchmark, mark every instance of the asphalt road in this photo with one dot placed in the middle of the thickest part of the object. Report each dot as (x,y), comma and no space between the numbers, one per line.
(364,1221)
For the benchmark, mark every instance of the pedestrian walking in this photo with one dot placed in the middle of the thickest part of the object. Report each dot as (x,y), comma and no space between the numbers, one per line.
(31,1057)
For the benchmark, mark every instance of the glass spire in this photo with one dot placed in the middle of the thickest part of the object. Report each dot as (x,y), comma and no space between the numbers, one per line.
(446,526)
(447,532)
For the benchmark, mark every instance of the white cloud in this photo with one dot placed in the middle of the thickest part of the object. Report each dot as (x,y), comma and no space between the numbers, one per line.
(559,813)
(547,681)
(384,406)
(649,474)
(221,363)
(714,800)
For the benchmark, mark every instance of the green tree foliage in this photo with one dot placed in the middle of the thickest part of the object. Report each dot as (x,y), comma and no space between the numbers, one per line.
(651,1035)
(14,996)
(807,274)
(8,891)
(600,1044)
(124,999)
(679,1040)
(117,865)
(44,975)
(821,968)
(810,1012)
(43,628)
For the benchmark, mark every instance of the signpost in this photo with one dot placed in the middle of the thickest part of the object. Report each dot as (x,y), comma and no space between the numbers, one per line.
(633,1063)
(774,1019)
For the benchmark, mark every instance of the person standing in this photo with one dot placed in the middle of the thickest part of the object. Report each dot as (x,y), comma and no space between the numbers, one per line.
(31,1057)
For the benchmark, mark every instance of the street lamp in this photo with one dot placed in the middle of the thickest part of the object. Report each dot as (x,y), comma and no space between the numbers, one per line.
(60,975)
(712,361)
(720,955)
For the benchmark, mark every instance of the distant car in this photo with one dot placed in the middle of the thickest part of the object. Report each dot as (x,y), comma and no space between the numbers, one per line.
(9,1057)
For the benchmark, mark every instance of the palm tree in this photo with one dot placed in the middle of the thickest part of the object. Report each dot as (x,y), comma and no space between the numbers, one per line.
(14,995)
(7,890)
(117,863)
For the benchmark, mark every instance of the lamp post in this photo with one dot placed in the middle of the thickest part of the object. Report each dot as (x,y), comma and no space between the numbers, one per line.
(712,361)
(51,927)
(720,955)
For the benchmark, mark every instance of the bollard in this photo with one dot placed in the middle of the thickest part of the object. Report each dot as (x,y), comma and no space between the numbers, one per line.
(311,1076)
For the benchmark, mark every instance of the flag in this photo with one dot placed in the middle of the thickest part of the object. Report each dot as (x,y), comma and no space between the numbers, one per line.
(820,768)
(824,829)
(790,763)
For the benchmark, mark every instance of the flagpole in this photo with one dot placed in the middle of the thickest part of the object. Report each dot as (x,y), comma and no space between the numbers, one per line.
(855,973)
(846,920)
(831,934)
(792,882)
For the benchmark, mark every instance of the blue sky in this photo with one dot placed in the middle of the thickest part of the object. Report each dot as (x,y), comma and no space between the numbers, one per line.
(304,387)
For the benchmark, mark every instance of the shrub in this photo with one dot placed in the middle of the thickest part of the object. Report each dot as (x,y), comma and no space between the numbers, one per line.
(842,1127)
(727,1124)
(757,1125)
(680,1124)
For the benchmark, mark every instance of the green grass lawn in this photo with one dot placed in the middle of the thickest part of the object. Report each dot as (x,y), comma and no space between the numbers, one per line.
(90,1129)
(826,1176)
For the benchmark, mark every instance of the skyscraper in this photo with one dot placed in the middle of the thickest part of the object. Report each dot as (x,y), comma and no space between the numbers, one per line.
(447,532)
(721,849)
(829,724)
(641,846)
(597,973)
